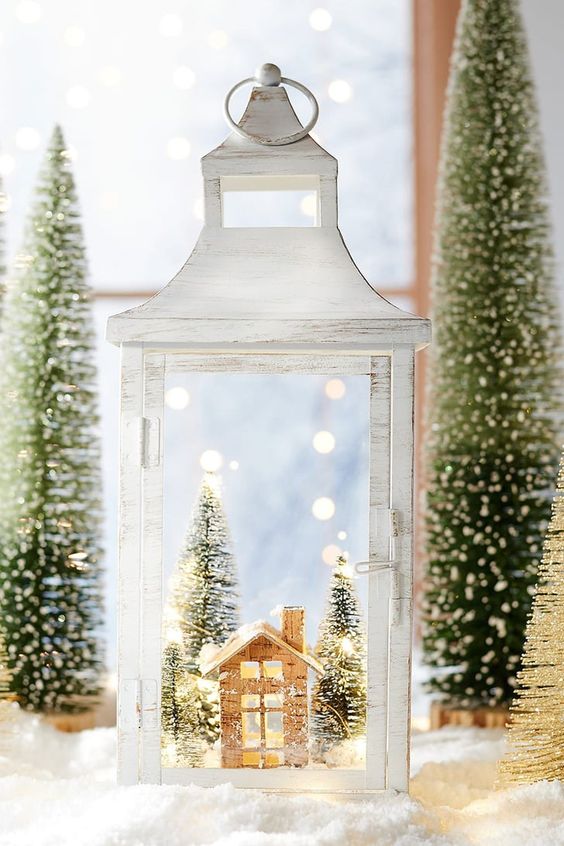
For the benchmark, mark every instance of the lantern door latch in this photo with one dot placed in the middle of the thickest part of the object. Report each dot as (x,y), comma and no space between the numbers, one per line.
(386,525)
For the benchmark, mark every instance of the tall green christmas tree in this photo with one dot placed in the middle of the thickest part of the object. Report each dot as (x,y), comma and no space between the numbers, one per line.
(180,736)
(50,604)
(338,704)
(204,593)
(493,399)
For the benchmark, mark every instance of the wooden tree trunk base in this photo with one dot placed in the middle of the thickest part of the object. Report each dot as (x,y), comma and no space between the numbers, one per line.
(443,715)
(71,722)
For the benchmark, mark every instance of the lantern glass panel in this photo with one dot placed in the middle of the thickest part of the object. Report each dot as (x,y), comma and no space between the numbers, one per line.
(287,456)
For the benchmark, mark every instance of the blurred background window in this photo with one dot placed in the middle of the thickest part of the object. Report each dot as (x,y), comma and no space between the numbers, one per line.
(138,88)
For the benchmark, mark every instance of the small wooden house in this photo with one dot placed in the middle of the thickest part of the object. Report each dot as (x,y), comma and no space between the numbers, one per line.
(263,694)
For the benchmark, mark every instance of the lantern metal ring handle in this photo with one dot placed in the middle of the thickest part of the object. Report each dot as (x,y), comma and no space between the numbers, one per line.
(269,76)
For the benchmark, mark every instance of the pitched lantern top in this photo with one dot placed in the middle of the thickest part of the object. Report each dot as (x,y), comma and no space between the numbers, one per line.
(269,288)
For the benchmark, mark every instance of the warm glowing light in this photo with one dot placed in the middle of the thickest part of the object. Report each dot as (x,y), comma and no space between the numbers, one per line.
(173,634)
(340,91)
(330,554)
(320,20)
(177,398)
(110,75)
(342,535)
(211,460)
(27,138)
(335,389)
(198,208)
(346,569)
(218,39)
(7,164)
(171,26)
(324,442)
(347,646)
(323,508)
(74,36)
(28,12)
(78,97)
(183,77)
(178,148)
(233,465)
(308,205)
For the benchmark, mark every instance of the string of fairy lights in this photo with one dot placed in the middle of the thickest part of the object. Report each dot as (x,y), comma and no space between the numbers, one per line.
(323,508)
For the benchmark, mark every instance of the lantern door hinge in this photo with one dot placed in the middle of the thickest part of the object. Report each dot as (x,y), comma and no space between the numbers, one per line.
(150,442)
(138,704)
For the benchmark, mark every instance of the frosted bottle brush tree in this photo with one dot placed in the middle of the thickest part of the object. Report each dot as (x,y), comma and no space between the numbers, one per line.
(204,593)
(50,470)
(338,704)
(493,399)
(180,739)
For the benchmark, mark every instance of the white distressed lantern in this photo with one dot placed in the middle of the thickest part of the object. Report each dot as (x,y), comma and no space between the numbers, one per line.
(279,300)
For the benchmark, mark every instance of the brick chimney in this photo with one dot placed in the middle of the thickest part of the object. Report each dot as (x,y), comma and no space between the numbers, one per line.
(293,626)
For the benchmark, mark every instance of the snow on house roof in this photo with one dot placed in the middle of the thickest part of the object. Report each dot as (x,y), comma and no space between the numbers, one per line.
(247,633)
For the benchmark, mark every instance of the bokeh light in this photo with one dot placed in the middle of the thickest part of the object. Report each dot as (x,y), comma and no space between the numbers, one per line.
(178,148)
(177,398)
(330,554)
(323,508)
(324,442)
(340,91)
(335,389)
(211,460)
(320,20)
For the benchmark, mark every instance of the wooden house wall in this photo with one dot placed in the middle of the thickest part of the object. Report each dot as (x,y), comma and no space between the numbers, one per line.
(294,708)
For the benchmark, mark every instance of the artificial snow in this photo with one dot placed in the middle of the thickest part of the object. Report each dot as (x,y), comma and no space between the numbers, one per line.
(59,790)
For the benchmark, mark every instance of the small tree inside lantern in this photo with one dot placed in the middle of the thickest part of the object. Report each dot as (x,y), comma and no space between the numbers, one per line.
(277,300)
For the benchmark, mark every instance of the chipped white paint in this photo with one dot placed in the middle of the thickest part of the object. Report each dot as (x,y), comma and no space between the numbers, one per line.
(268,300)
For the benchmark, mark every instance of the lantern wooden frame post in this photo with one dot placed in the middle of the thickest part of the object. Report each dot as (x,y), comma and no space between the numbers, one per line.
(283,300)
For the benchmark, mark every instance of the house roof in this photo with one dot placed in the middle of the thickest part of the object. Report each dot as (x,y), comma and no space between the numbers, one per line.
(243,636)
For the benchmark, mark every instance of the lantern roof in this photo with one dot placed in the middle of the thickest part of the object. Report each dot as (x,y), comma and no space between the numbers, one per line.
(269,287)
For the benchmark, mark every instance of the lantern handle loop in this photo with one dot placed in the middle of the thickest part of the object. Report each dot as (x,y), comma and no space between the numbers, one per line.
(269,76)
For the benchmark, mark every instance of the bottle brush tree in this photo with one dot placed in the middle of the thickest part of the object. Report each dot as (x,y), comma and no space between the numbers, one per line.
(338,704)
(492,446)
(50,584)
(535,741)
(204,592)
(180,727)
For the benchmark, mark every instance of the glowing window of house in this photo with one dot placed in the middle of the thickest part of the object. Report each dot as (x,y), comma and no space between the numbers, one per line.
(273,758)
(274,700)
(251,759)
(250,670)
(273,730)
(251,729)
(250,702)
(273,670)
